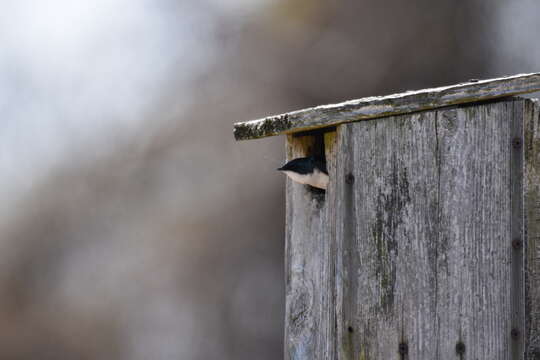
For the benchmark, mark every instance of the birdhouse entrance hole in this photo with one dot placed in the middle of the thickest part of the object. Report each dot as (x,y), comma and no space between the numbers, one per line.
(315,145)
(318,143)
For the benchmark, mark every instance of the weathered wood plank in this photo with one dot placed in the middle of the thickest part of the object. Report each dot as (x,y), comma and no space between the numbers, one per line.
(371,107)
(424,235)
(517,286)
(387,235)
(476,293)
(531,185)
(309,257)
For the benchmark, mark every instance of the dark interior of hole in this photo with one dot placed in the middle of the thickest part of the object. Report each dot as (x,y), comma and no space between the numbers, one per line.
(317,150)
(318,147)
(319,154)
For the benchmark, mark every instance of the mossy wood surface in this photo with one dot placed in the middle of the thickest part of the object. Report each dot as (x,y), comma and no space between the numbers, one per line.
(379,106)
(414,241)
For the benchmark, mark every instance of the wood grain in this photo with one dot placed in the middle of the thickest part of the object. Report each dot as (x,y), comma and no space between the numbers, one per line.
(426,234)
(387,235)
(411,253)
(517,286)
(309,258)
(531,186)
(379,106)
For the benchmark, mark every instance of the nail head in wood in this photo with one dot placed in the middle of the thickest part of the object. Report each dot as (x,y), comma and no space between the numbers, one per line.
(349,179)
(516,244)
(514,333)
(403,348)
(460,348)
(516,143)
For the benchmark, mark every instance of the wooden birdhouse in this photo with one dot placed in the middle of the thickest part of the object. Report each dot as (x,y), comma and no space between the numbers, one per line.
(426,243)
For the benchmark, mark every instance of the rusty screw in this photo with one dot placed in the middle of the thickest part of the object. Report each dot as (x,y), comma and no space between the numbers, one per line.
(514,333)
(403,348)
(516,244)
(516,143)
(349,178)
(460,348)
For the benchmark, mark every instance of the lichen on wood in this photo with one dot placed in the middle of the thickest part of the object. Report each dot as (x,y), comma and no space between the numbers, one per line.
(381,106)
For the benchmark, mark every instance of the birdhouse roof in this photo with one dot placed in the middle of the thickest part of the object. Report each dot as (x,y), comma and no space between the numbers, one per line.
(380,106)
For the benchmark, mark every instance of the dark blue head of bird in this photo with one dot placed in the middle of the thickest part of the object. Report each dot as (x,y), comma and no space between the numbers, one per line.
(304,166)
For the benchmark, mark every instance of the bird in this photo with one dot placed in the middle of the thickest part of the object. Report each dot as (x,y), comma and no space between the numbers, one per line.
(308,171)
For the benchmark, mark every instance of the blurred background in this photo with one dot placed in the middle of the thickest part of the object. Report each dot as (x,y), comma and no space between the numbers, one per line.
(132,225)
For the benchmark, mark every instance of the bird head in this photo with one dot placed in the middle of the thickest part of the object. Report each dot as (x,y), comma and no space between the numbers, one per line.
(307,170)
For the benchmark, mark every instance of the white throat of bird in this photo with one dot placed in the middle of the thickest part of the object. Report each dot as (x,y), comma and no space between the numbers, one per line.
(316,179)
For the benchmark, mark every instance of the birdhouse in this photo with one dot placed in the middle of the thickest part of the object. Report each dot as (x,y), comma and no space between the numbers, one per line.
(426,242)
